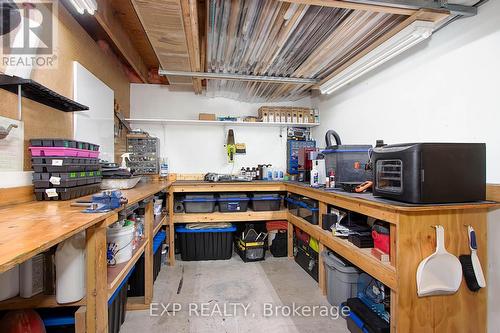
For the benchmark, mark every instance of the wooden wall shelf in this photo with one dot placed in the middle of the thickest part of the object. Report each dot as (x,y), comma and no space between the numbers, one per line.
(37,301)
(362,258)
(217,123)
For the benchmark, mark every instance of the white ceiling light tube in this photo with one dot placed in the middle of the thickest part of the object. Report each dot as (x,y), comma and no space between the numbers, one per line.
(85,5)
(410,36)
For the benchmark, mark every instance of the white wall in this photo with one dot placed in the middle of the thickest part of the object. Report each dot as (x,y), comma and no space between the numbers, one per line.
(444,90)
(200,148)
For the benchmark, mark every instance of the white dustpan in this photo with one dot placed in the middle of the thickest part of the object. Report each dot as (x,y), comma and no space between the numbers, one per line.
(440,273)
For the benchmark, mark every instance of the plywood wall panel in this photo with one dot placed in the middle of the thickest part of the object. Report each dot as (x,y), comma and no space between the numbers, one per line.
(73,44)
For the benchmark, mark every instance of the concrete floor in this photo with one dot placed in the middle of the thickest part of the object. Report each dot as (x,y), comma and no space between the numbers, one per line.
(213,294)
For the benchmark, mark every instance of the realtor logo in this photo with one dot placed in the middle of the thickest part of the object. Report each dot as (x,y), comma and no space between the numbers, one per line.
(28,32)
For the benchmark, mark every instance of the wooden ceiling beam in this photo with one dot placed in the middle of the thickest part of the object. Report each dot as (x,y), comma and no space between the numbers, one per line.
(106,18)
(191,29)
(356,6)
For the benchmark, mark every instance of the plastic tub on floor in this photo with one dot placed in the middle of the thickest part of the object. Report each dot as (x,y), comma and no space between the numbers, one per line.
(205,244)
(341,277)
(233,202)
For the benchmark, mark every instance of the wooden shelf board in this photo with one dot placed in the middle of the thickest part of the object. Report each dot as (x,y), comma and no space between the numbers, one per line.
(37,301)
(362,258)
(159,221)
(231,217)
(217,123)
(136,303)
(117,273)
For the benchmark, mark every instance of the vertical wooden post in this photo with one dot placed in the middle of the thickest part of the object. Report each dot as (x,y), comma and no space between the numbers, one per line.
(290,238)
(80,324)
(171,229)
(323,207)
(97,269)
(148,253)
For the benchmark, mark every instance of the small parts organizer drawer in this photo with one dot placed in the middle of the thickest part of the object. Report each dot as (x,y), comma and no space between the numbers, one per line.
(303,207)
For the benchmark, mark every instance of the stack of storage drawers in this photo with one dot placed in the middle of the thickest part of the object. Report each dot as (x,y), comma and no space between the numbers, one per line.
(64,169)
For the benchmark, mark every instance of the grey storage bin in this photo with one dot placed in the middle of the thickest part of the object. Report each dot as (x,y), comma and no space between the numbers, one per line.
(341,277)
(266,202)
(233,202)
(199,203)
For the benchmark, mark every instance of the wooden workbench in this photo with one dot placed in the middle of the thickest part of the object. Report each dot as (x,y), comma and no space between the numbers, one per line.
(412,239)
(31,228)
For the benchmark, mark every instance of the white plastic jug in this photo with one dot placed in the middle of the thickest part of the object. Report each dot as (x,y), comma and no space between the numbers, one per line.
(9,283)
(70,269)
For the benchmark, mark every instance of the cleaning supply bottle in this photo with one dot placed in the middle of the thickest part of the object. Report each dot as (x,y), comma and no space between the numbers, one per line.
(124,161)
(314,178)
(163,167)
(70,269)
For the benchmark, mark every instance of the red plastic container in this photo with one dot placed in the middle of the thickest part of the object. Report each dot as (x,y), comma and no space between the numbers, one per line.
(381,241)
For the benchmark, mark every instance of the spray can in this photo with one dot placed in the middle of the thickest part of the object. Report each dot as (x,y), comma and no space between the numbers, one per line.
(314,178)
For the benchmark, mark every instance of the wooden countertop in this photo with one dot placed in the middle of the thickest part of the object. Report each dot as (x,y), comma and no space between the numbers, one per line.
(322,194)
(30,228)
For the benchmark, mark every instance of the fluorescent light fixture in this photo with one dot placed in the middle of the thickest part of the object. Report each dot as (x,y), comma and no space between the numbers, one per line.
(410,36)
(85,5)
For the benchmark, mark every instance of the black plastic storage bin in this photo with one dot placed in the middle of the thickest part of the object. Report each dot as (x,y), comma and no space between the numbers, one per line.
(362,317)
(250,251)
(117,306)
(58,320)
(233,202)
(266,202)
(199,203)
(303,207)
(307,258)
(205,244)
(136,281)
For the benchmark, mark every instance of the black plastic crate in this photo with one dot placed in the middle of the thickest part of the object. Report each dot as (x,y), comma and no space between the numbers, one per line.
(117,306)
(250,251)
(56,179)
(205,244)
(303,207)
(136,281)
(233,202)
(366,318)
(266,202)
(61,193)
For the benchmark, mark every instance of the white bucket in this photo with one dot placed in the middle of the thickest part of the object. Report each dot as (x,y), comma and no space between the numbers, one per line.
(9,283)
(121,239)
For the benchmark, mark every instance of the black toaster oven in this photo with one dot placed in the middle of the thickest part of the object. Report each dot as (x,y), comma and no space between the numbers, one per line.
(430,172)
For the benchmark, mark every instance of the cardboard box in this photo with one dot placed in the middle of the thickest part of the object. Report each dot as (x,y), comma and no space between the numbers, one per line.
(206,116)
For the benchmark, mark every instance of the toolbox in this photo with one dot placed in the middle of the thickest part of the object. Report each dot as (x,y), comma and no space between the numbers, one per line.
(303,207)
(205,244)
(308,260)
(250,251)
(266,202)
(233,202)
(199,203)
